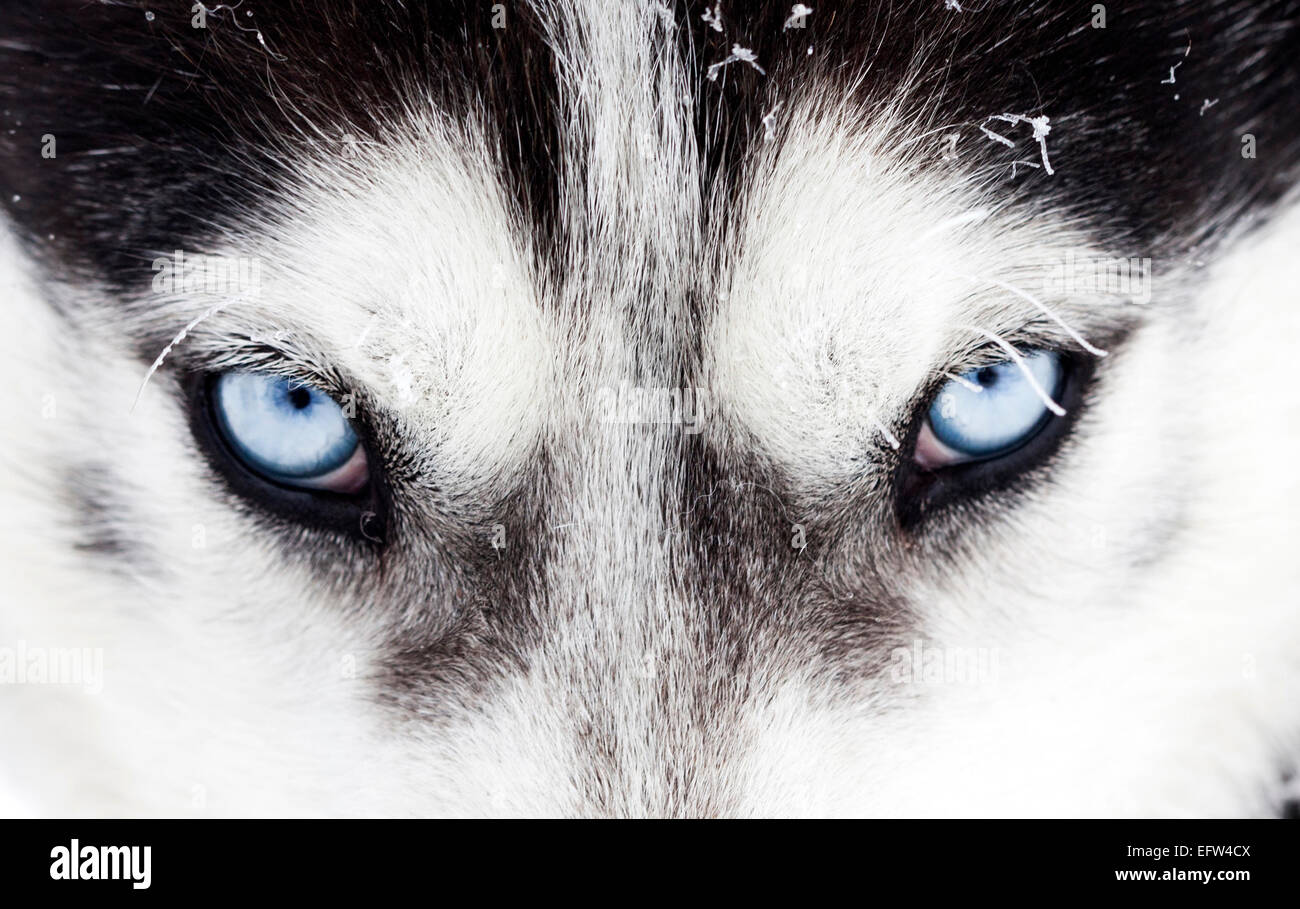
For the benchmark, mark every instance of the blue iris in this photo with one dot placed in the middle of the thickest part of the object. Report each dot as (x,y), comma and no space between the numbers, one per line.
(281,428)
(1004,413)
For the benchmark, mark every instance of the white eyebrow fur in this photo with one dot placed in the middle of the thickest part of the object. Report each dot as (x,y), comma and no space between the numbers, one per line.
(1040,305)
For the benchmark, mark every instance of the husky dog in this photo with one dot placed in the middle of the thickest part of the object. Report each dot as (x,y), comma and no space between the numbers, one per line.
(669,409)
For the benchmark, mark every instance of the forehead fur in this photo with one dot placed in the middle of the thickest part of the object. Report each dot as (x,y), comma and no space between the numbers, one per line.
(164,129)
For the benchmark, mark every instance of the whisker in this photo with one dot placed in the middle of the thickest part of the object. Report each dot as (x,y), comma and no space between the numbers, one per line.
(889,436)
(1042,307)
(965,382)
(1019,361)
(967,217)
(211,311)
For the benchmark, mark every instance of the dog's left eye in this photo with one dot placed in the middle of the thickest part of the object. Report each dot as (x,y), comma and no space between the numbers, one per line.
(288,432)
(990,411)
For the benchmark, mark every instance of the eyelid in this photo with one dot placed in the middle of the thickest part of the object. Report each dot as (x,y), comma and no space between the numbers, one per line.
(209,352)
(274,363)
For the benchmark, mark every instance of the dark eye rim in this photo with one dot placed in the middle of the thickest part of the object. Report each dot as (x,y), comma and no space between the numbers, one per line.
(362,516)
(920,492)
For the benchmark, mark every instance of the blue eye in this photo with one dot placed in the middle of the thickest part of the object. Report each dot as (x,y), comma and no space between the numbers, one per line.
(990,410)
(288,432)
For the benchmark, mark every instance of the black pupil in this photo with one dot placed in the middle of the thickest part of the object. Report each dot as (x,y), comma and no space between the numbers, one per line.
(299,397)
(987,376)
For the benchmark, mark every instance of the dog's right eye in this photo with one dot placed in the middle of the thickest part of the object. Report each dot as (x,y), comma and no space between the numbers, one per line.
(288,432)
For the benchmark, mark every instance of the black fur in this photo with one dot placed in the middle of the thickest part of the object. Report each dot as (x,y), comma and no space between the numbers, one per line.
(1145,170)
(163,129)
(99,513)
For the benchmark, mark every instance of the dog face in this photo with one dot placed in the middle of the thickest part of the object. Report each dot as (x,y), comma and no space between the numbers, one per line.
(666,335)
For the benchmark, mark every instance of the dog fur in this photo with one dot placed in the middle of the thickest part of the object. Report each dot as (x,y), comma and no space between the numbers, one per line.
(472,219)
